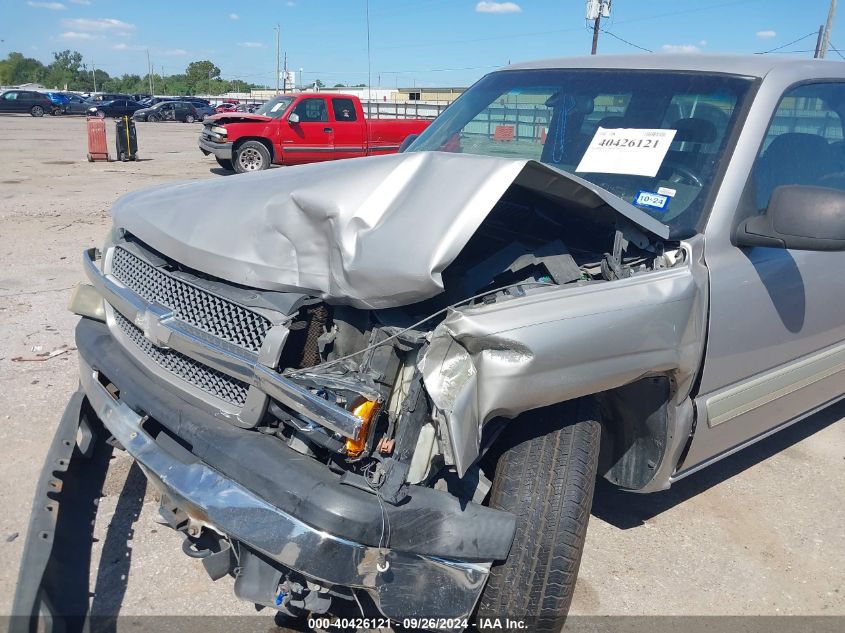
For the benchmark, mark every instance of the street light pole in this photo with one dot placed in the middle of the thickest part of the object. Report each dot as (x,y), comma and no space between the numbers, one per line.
(278,29)
(150,72)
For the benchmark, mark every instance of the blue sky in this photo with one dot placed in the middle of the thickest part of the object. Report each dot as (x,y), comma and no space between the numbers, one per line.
(413,42)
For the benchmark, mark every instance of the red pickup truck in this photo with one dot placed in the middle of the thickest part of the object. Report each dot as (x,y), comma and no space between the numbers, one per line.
(303,128)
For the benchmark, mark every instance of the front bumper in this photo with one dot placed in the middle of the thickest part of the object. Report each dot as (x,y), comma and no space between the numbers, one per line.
(220,150)
(412,585)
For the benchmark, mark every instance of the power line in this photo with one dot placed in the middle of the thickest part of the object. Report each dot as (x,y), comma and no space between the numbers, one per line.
(642,48)
(777,48)
(836,50)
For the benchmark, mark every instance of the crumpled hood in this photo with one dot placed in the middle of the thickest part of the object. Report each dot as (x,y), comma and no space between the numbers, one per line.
(237,117)
(373,233)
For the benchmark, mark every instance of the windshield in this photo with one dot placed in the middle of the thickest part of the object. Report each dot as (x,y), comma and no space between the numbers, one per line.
(275,107)
(653,138)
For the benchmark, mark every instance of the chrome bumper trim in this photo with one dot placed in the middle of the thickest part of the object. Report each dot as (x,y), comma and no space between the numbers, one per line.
(412,585)
(220,150)
(164,330)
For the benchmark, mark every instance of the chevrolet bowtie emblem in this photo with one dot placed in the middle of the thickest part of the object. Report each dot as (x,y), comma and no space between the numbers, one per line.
(153,324)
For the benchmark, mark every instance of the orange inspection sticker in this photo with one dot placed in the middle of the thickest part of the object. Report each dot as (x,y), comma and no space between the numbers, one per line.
(631,151)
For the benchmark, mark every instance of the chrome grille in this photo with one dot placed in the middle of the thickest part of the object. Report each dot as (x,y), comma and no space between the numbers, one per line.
(200,376)
(208,312)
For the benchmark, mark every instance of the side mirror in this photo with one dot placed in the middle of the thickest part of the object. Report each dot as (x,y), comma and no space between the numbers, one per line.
(408,140)
(293,118)
(798,217)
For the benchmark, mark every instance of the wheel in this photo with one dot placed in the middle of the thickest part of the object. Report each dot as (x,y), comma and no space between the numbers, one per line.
(189,118)
(101,114)
(56,111)
(36,110)
(225,163)
(152,118)
(545,476)
(251,156)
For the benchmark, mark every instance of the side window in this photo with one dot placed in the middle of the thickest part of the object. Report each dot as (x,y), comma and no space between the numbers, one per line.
(10,96)
(344,110)
(804,142)
(312,110)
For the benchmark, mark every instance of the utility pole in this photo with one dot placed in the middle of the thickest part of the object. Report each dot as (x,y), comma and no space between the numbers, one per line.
(596,10)
(150,72)
(278,53)
(596,29)
(827,28)
(819,42)
(285,82)
(94,75)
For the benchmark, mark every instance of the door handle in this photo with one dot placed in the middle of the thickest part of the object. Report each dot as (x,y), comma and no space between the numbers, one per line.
(327,130)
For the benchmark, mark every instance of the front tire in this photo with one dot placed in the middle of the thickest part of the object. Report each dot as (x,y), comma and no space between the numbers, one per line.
(36,111)
(251,156)
(189,118)
(152,118)
(545,476)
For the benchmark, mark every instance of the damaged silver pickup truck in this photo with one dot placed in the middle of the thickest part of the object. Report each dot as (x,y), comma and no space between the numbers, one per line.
(389,384)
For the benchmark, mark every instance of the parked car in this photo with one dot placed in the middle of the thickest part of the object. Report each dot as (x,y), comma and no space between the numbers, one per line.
(204,111)
(168,111)
(196,101)
(449,344)
(226,107)
(23,101)
(60,102)
(297,129)
(77,104)
(116,108)
(109,96)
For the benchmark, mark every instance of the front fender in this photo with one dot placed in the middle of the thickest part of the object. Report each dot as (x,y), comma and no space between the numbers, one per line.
(554,345)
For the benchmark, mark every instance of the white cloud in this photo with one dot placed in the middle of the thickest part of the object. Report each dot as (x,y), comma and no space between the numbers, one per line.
(251,44)
(123,46)
(291,3)
(234,16)
(76,35)
(680,48)
(766,35)
(82,2)
(53,6)
(175,52)
(98,24)
(498,7)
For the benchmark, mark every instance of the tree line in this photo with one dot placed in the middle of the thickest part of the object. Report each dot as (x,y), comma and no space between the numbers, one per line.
(68,71)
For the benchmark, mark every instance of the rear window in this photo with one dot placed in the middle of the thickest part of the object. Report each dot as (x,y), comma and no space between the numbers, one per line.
(344,110)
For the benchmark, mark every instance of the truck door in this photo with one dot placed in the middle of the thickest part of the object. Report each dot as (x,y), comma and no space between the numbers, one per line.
(311,138)
(349,139)
(776,340)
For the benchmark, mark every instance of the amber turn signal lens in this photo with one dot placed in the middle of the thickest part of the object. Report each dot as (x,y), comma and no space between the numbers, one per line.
(366,411)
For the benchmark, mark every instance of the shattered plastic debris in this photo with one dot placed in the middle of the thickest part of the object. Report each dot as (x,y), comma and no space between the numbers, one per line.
(44,356)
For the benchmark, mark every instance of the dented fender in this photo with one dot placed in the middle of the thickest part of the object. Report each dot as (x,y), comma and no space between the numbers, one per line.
(557,344)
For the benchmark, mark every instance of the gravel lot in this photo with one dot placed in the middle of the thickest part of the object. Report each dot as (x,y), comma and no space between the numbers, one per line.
(760,533)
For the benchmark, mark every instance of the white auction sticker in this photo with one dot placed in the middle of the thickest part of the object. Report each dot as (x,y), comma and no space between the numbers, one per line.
(633,151)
